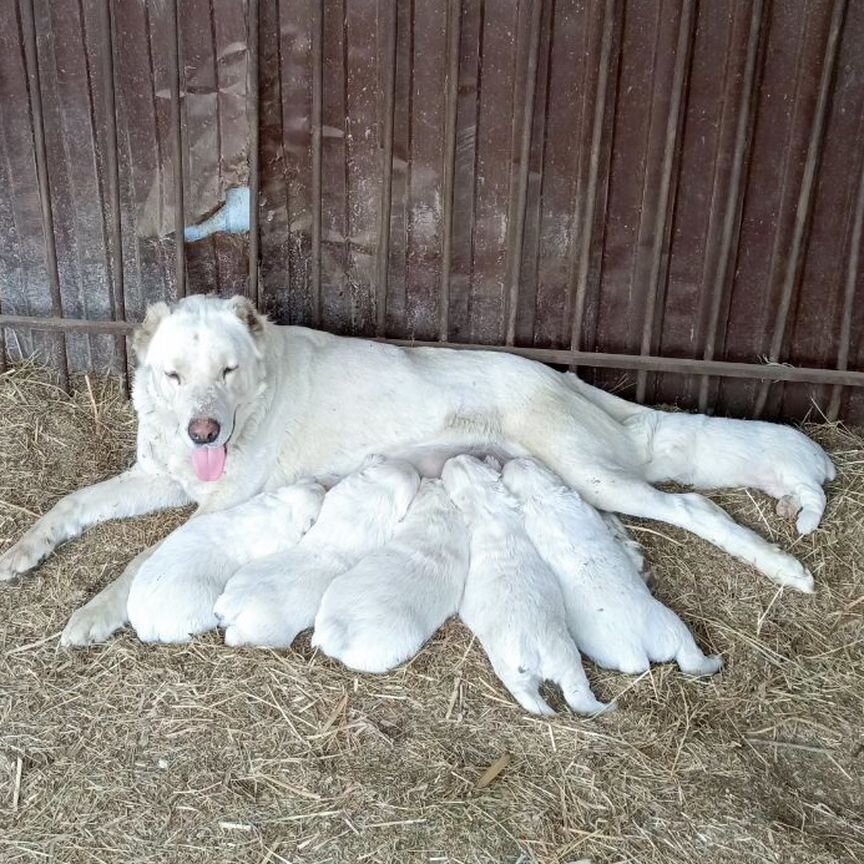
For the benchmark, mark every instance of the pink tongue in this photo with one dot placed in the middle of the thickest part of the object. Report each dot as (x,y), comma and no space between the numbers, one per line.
(209,462)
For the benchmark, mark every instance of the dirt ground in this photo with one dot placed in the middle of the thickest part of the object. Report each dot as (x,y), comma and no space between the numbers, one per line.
(125,753)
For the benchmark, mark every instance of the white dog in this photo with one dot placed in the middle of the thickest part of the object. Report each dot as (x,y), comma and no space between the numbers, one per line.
(378,614)
(610,612)
(230,405)
(268,602)
(172,595)
(512,600)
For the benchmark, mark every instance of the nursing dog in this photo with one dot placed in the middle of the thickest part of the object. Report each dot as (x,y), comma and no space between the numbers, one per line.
(230,405)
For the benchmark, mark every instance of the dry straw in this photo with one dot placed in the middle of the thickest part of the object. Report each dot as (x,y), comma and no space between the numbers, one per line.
(205,754)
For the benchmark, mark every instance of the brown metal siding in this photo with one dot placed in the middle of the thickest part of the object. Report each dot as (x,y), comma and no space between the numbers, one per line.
(674,178)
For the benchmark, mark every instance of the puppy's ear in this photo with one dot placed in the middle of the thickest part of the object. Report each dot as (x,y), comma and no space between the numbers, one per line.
(245,310)
(156,313)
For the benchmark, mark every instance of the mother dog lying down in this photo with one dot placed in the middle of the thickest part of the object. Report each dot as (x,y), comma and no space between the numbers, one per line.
(230,405)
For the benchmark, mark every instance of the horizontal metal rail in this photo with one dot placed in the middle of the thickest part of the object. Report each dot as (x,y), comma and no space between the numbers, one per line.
(564,357)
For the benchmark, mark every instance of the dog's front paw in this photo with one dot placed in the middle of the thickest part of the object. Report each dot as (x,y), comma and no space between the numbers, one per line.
(23,556)
(92,623)
(252,614)
(791,573)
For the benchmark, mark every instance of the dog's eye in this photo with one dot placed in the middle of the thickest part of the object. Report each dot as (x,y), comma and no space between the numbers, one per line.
(173,376)
(228,370)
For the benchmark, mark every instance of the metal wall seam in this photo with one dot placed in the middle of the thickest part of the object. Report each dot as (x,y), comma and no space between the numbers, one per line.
(579,287)
(177,139)
(113,181)
(253,119)
(665,199)
(454,34)
(734,196)
(517,235)
(805,198)
(383,269)
(31,54)
(852,269)
(317,101)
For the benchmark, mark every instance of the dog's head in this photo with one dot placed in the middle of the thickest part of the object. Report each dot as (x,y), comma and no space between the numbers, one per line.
(201,362)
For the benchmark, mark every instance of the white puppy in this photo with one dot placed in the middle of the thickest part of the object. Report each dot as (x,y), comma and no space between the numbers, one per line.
(610,612)
(268,602)
(512,600)
(378,614)
(172,595)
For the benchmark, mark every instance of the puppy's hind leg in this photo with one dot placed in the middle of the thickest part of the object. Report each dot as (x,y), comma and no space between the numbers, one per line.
(562,664)
(524,687)
(691,660)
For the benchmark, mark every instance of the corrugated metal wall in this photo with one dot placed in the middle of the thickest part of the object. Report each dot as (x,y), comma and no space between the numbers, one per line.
(673,177)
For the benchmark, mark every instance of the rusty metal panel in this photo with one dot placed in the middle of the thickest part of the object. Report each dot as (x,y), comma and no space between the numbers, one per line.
(670,179)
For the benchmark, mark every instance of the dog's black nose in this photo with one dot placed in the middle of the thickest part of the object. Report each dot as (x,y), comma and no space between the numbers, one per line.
(203,430)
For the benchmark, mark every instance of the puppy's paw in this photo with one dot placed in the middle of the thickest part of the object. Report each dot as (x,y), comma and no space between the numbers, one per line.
(252,614)
(357,647)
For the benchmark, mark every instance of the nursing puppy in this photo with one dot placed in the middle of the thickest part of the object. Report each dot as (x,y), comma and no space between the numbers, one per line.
(512,600)
(268,602)
(379,613)
(610,611)
(171,598)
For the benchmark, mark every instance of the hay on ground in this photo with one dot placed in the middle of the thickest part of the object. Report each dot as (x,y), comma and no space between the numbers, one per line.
(125,753)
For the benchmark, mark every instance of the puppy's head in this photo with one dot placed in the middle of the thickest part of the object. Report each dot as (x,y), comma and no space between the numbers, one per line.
(390,484)
(305,499)
(201,362)
(527,478)
(469,481)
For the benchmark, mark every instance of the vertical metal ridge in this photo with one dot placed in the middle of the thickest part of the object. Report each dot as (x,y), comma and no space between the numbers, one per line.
(253,114)
(317,97)
(579,289)
(805,197)
(391,34)
(852,266)
(31,56)
(454,33)
(517,236)
(112,170)
(734,197)
(177,140)
(665,200)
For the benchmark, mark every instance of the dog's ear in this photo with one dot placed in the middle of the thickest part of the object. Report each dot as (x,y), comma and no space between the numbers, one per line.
(143,334)
(245,310)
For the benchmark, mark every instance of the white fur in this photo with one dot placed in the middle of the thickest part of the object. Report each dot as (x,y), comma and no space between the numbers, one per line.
(307,404)
(380,612)
(512,600)
(610,612)
(172,595)
(268,602)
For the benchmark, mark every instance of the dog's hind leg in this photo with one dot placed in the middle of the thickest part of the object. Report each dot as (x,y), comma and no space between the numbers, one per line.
(717,452)
(607,490)
(598,459)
